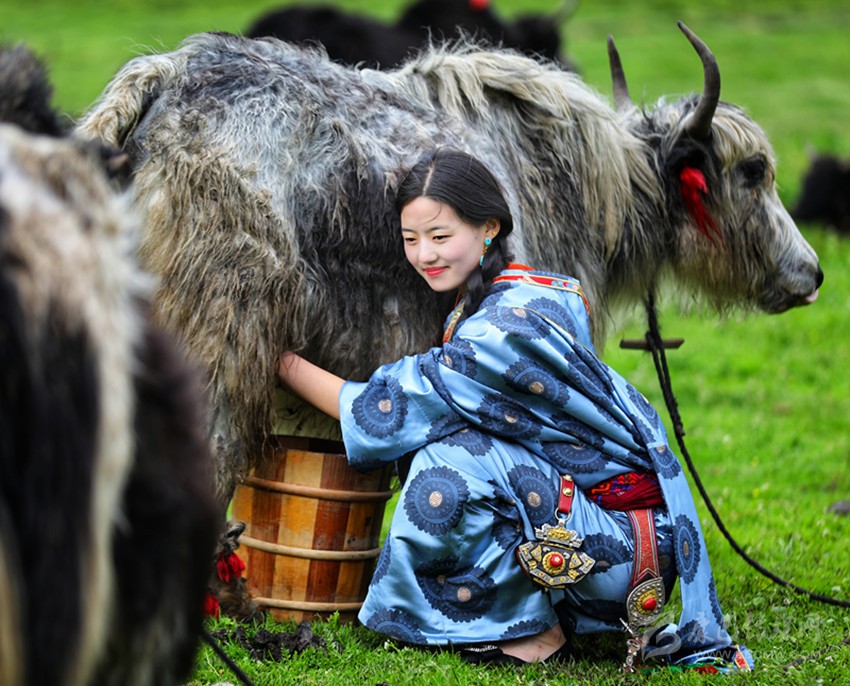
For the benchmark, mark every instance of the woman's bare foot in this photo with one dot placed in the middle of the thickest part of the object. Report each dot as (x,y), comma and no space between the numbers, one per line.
(537,647)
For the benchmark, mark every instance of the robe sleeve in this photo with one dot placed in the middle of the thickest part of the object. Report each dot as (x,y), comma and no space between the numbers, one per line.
(391,414)
(509,371)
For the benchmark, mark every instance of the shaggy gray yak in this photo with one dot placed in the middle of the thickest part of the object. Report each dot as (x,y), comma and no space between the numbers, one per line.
(266,174)
(108,512)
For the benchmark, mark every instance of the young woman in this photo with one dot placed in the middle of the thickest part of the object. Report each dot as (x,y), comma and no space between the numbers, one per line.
(542,498)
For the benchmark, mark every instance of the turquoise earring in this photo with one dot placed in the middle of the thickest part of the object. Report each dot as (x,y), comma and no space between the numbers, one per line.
(487,242)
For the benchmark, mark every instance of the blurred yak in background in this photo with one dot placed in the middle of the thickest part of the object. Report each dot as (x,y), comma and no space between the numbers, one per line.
(355,39)
(107,510)
(825,194)
(26,93)
(266,174)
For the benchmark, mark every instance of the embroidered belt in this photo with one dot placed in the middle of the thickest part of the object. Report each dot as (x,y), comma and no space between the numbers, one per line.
(646,597)
(553,560)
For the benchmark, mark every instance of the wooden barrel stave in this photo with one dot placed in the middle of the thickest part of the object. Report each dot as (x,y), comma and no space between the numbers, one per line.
(303,505)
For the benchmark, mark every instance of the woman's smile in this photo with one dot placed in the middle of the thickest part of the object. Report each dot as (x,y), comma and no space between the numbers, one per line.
(442,247)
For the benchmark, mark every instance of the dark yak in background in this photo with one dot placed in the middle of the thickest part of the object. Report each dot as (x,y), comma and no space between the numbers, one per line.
(26,93)
(825,194)
(356,39)
(107,513)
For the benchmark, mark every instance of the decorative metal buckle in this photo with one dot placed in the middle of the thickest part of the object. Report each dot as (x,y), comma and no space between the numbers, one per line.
(645,602)
(553,560)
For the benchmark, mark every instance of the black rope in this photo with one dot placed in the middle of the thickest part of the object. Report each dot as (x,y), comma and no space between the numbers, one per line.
(656,346)
(224,657)
(806,658)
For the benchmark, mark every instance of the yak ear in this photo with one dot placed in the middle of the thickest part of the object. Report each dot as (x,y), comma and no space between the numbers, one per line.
(691,181)
(687,153)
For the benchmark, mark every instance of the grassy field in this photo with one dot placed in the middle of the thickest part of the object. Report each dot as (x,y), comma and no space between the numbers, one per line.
(765,400)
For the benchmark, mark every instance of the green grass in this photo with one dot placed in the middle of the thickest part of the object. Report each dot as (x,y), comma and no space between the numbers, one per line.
(765,400)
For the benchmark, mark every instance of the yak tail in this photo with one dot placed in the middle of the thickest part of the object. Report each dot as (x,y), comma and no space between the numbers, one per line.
(124,101)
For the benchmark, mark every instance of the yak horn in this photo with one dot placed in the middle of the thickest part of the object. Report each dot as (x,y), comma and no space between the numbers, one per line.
(618,77)
(699,127)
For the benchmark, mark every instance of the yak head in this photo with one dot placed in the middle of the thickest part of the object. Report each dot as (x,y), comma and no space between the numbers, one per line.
(730,238)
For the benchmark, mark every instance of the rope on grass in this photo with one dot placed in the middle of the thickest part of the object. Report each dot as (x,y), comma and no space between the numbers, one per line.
(656,347)
(224,657)
(806,658)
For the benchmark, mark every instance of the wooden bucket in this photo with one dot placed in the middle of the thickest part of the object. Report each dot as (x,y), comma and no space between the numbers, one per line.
(313,527)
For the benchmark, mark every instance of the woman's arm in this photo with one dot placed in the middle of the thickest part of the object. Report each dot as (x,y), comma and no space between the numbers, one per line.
(317,386)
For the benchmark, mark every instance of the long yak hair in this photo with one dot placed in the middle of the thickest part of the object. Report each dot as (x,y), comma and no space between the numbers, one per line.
(107,509)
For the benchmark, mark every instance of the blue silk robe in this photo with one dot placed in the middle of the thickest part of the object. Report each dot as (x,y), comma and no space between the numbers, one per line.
(514,399)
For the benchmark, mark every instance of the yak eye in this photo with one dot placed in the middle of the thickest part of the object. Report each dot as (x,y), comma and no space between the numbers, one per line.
(753,171)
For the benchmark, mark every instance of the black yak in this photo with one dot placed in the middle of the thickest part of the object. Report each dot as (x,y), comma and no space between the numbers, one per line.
(26,93)
(357,39)
(108,515)
(266,174)
(825,194)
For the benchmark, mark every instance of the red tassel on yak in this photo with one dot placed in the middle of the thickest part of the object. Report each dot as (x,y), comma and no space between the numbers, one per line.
(229,567)
(211,608)
(694,189)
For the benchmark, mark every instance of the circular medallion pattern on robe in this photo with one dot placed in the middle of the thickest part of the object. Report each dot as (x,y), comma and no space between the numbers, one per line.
(383,562)
(507,526)
(577,430)
(445,425)
(665,461)
(641,431)
(495,293)
(715,604)
(505,417)
(459,356)
(430,369)
(692,634)
(585,380)
(474,442)
(396,623)
(528,627)
(592,362)
(536,493)
(606,550)
(462,595)
(435,498)
(556,313)
(666,558)
(381,408)
(688,551)
(527,377)
(575,457)
(647,410)
(517,321)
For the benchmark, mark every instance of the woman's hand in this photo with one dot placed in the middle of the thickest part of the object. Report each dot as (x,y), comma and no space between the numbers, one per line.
(317,386)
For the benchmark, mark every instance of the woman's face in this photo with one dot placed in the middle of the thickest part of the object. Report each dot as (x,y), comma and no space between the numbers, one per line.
(440,245)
